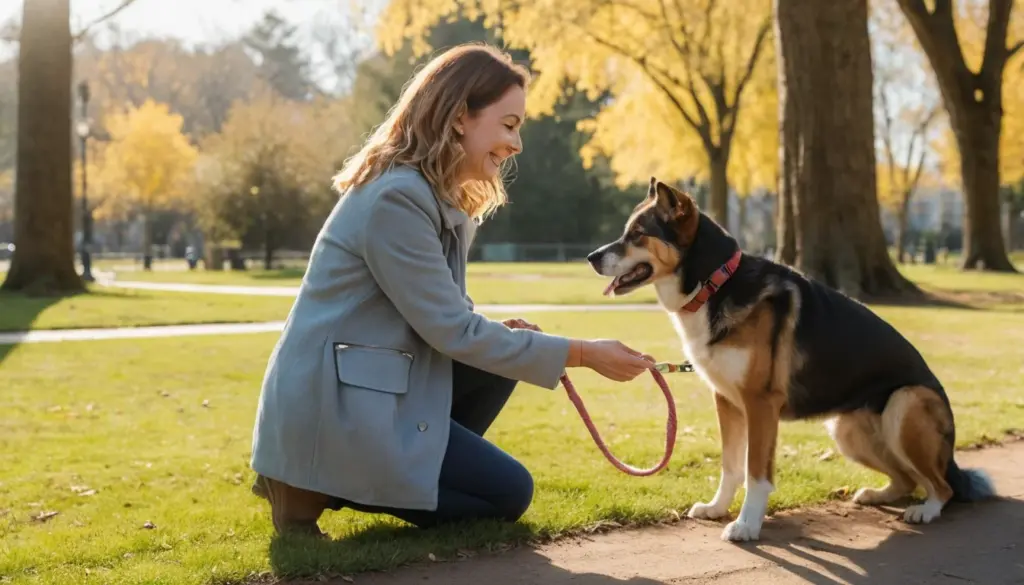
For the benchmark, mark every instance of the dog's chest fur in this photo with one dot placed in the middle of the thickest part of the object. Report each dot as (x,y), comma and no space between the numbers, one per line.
(721,366)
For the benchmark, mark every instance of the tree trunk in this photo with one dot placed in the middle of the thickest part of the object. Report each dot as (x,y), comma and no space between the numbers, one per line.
(44,257)
(974,102)
(147,242)
(901,228)
(268,251)
(978,142)
(827,129)
(718,203)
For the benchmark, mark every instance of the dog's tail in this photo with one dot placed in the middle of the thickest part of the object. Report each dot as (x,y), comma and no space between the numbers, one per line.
(969,485)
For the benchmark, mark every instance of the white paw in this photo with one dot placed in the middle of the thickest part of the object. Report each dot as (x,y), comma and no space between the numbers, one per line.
(739,531)
(866,496)
(922,513)
(707,511)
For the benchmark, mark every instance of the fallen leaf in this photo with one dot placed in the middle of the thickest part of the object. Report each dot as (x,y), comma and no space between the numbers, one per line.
(827,455)
(347,579)
(88,407)
(54,408)
(44,516)
(431,556)
(206,404)
(165,394)
(149,525)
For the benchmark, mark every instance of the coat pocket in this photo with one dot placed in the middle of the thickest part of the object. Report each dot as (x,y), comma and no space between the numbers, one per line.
(376,368)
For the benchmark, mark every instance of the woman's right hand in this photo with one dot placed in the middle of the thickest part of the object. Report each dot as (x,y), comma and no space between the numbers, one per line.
(613,359)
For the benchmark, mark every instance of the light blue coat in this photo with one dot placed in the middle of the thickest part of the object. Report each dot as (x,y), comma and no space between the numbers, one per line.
(357,393)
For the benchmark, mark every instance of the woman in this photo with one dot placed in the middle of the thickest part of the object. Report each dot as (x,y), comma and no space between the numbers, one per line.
(384,381)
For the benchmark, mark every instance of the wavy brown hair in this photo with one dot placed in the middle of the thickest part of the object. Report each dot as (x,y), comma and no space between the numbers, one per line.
(420,128)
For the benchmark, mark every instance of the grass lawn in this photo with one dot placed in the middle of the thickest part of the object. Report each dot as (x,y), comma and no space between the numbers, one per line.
(118,436)
(487,283)
(567,283)
(117,307)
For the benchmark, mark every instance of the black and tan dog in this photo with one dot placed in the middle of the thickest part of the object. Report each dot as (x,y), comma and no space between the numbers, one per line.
(774,345)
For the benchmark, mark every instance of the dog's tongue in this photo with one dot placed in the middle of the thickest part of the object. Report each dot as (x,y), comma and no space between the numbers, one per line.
(611,286)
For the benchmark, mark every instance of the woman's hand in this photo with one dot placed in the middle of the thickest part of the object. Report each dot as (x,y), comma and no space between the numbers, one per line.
(608,357)
(613,359)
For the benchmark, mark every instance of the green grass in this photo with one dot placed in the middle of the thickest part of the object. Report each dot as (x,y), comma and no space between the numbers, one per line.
(116,307)
(487,283)
(161,430)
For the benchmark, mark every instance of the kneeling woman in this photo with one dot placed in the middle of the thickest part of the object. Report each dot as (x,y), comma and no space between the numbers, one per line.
(384,381)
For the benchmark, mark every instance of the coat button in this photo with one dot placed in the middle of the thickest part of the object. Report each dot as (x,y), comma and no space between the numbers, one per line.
(422,426)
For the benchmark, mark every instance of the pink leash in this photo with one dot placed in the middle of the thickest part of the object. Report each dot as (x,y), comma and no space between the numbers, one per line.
(670,427)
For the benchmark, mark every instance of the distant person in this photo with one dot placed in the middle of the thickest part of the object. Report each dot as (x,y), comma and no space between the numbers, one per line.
(384,380)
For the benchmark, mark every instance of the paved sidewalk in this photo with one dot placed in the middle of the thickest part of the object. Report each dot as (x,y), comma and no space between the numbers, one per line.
(841,543)
(53,335)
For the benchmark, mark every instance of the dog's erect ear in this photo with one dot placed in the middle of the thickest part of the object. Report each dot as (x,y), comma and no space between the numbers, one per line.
(678,207)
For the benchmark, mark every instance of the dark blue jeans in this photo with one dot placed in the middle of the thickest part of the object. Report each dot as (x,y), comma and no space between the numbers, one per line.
(478,480)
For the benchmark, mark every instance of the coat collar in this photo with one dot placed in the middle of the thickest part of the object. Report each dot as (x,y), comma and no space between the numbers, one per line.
(451,215)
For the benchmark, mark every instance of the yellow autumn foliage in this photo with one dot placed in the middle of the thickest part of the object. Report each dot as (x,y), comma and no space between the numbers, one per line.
(146,164)
(668,73)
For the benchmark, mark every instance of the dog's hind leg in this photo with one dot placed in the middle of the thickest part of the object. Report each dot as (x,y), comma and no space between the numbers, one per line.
(859,437)
(732,429)
(917,426)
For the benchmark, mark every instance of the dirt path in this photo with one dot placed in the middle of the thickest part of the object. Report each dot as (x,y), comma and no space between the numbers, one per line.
(839,543)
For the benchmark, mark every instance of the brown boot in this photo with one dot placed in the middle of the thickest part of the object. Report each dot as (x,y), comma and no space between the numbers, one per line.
(293,510)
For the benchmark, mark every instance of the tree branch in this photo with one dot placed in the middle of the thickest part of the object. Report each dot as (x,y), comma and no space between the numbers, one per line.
(994,59)
(114,12)
(755,55)
(649,70)
(1013,50)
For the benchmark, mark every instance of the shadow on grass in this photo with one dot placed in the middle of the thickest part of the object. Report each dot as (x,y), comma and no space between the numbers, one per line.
(280,274)
(383,547)
(971,300)
(19,311)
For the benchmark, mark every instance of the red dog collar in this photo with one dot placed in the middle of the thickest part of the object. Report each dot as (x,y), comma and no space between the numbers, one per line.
(712,284)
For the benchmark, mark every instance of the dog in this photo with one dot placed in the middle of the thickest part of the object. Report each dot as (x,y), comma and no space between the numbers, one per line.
(776,346)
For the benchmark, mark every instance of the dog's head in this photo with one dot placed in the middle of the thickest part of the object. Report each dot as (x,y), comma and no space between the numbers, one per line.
(653,243)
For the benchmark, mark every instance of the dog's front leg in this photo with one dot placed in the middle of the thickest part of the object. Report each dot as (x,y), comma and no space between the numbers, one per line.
(762,415)
(732,429)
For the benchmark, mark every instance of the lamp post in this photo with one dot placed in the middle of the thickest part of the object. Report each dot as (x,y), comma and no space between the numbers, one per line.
(84,132)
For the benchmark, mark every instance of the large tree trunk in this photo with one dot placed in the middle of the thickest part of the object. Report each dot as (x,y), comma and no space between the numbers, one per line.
(827,131)
(974,102)
(978,142)
(718,203)
(44,257)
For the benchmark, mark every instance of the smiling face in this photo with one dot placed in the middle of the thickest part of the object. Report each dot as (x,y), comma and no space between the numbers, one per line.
(653,242)
(490,135)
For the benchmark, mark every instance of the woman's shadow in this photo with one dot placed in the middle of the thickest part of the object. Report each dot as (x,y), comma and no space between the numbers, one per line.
(303,560)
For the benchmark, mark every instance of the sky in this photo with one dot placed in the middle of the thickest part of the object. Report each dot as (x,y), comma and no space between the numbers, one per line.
(194,21)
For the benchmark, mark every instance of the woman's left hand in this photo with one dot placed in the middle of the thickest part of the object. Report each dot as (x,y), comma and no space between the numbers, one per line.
(520,324)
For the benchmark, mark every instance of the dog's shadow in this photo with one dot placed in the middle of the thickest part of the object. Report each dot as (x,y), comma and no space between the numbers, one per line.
(969,543)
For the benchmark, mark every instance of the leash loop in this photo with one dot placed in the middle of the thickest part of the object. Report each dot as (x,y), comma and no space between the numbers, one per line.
(670,426)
